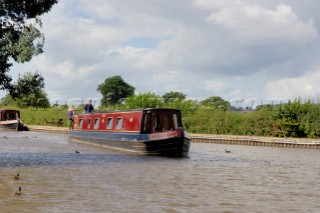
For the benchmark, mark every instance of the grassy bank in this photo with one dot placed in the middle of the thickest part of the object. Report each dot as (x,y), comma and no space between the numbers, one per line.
(34,116)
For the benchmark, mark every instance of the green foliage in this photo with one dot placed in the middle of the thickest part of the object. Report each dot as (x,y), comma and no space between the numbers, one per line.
(144,100)
(309,122)
(304,116)
(216,102)
(186,106)
(29,90)
(288,113)
(24,49)
(171,96)
(114,90)
(20,34)
(29,83)
(34,100)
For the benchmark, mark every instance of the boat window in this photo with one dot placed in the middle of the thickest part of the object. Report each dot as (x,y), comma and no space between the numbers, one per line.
(147,123)
(175,121)
(165,122)
(80,123)
(96,123)
(89,123)
(109,123)
(157,123)
(119,123)
(10,116)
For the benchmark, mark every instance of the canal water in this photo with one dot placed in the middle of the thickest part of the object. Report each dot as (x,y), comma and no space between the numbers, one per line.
(54,178)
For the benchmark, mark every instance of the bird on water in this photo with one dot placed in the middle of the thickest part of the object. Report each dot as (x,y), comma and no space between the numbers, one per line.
(18,193)
(227,151)
(16,177)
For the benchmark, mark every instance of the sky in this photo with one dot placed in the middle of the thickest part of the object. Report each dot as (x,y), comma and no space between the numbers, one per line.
(246,51)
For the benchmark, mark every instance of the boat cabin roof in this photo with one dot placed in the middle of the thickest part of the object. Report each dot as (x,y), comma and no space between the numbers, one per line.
(147,110)
(9,110)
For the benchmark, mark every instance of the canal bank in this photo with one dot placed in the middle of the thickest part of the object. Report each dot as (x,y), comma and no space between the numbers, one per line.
(53,129)
(304,143)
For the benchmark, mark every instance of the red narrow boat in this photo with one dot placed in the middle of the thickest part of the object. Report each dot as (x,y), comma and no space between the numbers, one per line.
(143,131)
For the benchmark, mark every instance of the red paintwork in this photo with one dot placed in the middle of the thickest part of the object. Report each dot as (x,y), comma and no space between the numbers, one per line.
(131,121)
(163,135)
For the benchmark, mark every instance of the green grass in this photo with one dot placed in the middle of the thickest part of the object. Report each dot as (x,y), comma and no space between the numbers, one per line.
(36,116)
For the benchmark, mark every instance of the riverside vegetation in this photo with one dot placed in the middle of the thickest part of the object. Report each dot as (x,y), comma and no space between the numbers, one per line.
(303,115)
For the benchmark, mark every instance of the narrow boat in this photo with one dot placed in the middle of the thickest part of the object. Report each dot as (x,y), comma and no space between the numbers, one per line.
(10,120)
(155,131)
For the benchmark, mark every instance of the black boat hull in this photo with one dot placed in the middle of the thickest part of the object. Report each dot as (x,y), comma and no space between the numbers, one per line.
(177,146)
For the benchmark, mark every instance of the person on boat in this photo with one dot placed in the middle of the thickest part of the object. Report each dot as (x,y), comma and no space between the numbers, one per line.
(89,107)
(70,114)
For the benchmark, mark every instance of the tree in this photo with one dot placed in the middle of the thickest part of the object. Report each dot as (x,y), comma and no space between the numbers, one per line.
(170,96)
(20,34)
(113,90)
(216,102)
(29,91)
(143,100)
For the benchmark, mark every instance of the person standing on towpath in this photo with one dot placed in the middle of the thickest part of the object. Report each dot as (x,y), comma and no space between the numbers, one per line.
(70,114)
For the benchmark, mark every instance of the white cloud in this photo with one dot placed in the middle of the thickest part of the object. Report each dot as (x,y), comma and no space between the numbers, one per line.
(212,85)
(98,9)
(217,4)
(306,86)
(260,26)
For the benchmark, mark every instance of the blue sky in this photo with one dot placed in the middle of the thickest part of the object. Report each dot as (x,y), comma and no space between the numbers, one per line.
(265,50)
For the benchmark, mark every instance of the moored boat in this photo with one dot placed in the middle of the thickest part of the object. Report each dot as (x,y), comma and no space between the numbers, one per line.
(155,131)
(10,120)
